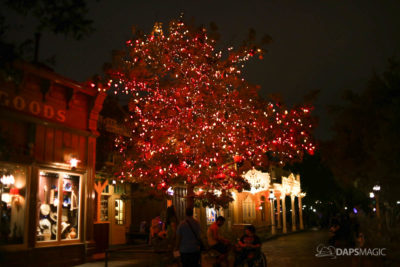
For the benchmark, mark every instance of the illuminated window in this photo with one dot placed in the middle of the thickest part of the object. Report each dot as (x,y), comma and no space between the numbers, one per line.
(119,211)
(58,212)
(13,203)
(211,215)
(119,189)
(249,210)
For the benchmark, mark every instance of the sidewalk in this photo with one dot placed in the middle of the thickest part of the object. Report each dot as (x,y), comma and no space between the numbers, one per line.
(142,255)
(136,255)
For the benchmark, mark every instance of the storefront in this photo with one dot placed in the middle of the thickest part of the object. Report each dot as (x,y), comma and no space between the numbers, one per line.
(113,196)
(48,131)
(114,210)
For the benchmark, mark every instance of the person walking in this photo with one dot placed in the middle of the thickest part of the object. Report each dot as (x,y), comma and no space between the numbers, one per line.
(187,240)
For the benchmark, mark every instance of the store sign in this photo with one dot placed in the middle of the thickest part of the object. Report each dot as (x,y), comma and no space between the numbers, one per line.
(34,107)
(259,181)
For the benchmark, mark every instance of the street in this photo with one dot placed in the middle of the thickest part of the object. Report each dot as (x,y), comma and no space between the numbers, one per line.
(300,249)
(297,249)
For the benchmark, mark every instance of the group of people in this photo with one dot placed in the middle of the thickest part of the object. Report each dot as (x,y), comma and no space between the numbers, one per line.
(189,242)
(345,230)
(163,234)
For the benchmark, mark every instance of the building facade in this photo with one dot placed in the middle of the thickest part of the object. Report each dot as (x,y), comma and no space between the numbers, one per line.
(269,205)
(48,131)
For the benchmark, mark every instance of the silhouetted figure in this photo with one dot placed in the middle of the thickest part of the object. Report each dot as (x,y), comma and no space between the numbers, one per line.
(188,236)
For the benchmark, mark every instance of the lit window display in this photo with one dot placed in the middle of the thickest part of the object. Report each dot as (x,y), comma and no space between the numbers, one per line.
(119,211)
(211,215)
(13,203)
(58,212)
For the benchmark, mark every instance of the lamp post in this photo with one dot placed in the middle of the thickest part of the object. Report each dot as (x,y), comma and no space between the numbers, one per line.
(271,198)
(376,189)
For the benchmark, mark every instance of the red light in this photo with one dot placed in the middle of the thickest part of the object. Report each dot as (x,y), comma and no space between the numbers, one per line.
(14,191)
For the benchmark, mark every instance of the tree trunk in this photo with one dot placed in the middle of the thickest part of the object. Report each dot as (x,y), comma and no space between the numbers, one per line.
(189,195)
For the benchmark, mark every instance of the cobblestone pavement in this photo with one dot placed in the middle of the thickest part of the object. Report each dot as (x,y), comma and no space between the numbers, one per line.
(300,249)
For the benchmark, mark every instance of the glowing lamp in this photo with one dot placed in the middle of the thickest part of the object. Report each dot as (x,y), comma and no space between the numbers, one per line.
(271,194)
(376,188)
(73,162)
(371,194)
(7,179)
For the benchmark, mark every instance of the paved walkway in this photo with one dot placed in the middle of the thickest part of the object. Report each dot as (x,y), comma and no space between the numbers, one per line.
(296,249)
(300,249)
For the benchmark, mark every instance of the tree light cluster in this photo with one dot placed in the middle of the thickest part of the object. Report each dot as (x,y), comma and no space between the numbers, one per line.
(194,119)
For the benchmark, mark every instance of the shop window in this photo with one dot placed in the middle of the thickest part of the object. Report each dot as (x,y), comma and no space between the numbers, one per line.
(58,212)
(119,211)
(212,214)
(119,189)
(13,203)
(106,189)
(262,208)
(249,210)
(104,208)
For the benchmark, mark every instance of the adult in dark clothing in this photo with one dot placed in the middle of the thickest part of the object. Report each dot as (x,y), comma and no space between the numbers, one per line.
(171,224)
(188,235)
(248,248)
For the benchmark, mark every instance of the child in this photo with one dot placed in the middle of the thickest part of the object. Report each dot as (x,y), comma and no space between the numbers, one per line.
(248,247)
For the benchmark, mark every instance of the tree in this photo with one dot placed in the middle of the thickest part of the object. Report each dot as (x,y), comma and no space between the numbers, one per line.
(194,118)
(67,18)
(365,150)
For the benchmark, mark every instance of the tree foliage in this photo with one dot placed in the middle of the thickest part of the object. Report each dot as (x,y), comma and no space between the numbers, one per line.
(67,17)
(194,118)
(365,150)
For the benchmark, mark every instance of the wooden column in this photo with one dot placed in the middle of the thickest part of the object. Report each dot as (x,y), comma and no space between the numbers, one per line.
(90,196)
(284,228)
(273,227)
(300,212)
(98,187)
(278,207)
(293,213)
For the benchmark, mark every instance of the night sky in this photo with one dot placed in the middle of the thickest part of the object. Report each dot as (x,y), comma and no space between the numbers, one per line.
(327,45)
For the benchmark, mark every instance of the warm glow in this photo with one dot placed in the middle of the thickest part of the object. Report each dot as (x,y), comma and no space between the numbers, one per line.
(259,181)
(7,179)
(73,162)
(376,188)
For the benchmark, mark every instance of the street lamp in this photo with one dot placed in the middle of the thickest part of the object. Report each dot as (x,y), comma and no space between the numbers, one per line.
(271,199)
(371,194)
(376,189)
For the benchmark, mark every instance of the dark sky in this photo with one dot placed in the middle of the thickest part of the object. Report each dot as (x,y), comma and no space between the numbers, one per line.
(329,45)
